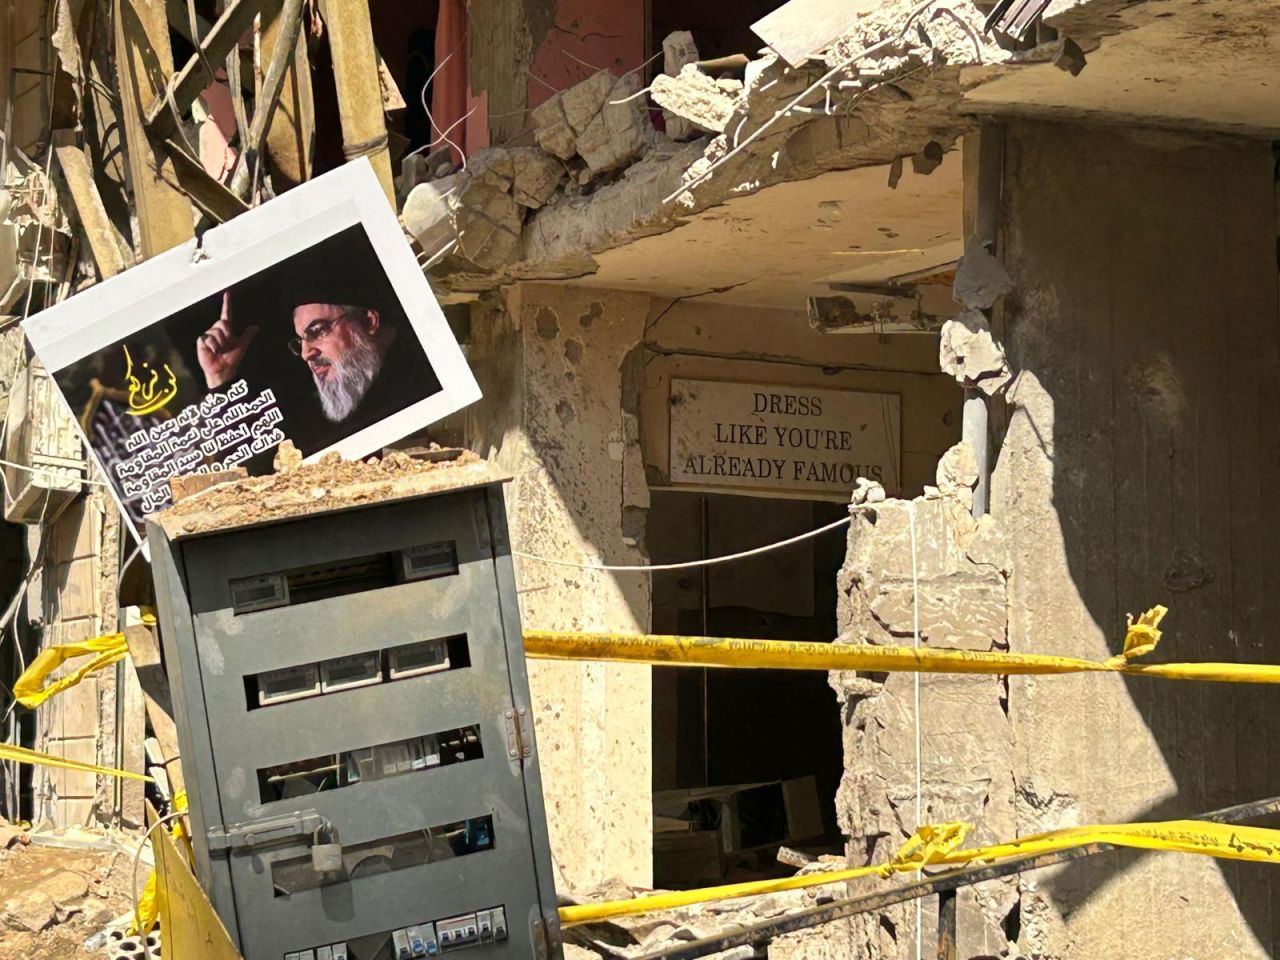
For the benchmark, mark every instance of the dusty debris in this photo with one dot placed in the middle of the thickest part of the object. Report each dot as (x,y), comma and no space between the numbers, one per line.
(980,280)
(52,900)
(694,96)
(192,483)
(329,484)
(647,933)
(867,491)
(970,353)
(287,459)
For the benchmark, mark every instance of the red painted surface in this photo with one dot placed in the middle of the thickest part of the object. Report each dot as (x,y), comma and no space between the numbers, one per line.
(450,91)
(608,34)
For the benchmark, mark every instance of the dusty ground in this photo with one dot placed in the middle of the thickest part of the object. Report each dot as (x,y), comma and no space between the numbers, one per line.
(52,900)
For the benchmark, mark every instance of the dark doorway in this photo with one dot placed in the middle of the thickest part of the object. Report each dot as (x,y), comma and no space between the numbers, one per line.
(719,29)
(738,728)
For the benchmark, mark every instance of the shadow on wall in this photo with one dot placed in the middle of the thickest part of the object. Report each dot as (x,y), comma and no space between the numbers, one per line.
(1145,431)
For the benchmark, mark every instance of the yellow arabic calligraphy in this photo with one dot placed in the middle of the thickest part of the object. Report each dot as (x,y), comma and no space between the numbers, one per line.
(143,397)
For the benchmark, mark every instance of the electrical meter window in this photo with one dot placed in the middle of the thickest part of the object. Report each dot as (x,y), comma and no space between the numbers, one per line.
(386,855)
(336,770)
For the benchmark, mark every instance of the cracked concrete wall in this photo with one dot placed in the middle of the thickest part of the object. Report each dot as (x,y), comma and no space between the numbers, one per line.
(1136,469)
(560,414)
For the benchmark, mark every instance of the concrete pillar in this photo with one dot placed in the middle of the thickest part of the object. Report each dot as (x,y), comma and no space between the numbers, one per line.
(560,414)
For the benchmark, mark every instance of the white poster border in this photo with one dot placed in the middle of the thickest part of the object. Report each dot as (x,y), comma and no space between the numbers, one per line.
(154,290)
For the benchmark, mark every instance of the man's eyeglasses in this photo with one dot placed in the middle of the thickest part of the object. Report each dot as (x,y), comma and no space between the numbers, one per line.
(316,330)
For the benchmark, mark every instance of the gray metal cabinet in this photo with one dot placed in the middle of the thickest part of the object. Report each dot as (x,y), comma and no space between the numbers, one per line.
(353,713)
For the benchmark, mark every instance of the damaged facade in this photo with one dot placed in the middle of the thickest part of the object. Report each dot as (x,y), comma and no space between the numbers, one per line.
(1052,259)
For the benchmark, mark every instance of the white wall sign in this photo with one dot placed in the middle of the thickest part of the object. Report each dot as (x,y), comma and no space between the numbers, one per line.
(784,438)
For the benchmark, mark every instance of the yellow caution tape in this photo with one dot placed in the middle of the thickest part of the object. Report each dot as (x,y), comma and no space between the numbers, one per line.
(29,690)
(22,755)
(939,845)
(1142,638)
(147,910)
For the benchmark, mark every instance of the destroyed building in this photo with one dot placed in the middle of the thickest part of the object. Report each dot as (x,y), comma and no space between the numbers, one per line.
(1017,263)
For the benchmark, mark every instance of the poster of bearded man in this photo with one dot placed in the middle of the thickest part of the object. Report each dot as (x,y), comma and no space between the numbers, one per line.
(306,318)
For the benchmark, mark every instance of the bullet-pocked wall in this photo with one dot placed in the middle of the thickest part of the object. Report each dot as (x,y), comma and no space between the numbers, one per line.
(577,388)
(553,364)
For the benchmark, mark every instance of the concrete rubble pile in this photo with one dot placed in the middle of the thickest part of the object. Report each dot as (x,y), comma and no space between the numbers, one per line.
(30,212)
(640,935)
(601,176)
(66,893)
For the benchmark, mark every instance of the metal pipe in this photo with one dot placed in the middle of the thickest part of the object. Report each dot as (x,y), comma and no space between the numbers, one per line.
(947,925)
(949,881)
(974,432)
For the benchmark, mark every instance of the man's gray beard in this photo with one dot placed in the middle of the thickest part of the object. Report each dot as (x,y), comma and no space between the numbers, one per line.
(349,379)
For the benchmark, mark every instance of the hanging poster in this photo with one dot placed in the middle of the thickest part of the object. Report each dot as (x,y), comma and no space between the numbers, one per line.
(306,318)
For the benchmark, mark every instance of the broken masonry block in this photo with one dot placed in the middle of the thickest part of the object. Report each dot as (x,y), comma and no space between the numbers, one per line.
(929,159)
(695,97)
(551,129)
(537,175)
(968,352)
(980,280)
(598,119)
(1068,56)
(895,173)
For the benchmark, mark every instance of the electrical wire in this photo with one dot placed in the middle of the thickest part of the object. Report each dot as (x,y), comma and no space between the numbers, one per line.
(915,633)
(689,564)
(133,873)
(795,102)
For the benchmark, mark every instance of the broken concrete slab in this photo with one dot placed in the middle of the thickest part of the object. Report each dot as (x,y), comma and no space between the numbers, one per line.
(980,280)
(970,353)
(958,473)
(678,50)
(694,96)
(598,120)
(803,27)
(619,132)
(31,910)
(64,887)
(551,128)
